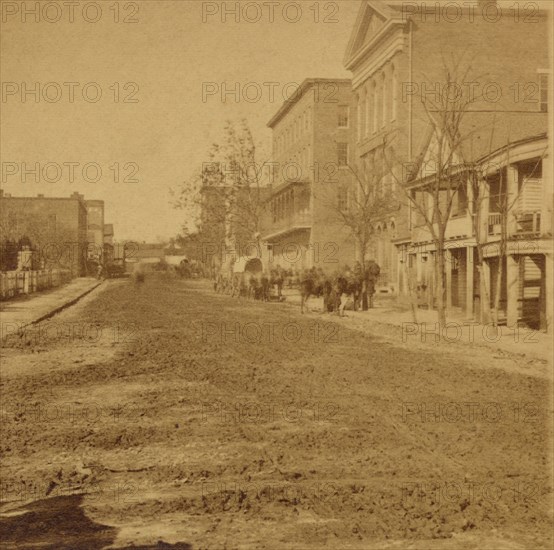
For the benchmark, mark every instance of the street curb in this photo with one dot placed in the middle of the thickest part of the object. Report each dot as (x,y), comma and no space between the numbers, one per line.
(63,306)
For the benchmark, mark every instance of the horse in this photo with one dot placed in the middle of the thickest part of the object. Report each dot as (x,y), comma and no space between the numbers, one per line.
(312,283)
(265,285)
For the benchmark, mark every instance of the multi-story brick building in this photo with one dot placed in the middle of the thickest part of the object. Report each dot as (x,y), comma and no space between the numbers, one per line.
(312,179)
(55,227)
(398,53)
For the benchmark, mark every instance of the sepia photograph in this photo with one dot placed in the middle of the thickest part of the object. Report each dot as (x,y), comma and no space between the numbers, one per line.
(276,275)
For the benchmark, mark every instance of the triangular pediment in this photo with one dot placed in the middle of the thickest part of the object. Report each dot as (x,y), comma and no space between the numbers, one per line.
(372,23)
(372,17)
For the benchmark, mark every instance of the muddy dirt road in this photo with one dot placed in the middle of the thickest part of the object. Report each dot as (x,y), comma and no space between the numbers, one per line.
(163,415)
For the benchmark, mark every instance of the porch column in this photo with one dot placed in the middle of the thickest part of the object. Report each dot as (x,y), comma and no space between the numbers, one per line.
(512,290)
(485,292)
(548,284)
(469,281)
(431,287)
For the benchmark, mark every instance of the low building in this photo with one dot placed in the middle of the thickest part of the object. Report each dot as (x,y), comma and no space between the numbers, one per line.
(55,228)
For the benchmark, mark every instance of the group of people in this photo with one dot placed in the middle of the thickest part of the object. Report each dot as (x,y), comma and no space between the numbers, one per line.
(343,288)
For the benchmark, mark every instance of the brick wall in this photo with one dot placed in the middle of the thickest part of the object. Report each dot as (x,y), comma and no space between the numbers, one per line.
(55,226)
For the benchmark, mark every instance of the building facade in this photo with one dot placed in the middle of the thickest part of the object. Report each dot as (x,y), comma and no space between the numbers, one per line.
(312,179)
(499,248)
(95,227)
(399,67)
(56,228)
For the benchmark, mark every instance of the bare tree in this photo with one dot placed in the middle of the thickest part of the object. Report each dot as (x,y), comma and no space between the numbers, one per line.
(432,182)
(224,198)
(359,207)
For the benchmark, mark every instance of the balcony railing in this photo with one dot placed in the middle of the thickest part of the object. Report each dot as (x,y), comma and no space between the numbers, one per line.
(292,222)
(528,222)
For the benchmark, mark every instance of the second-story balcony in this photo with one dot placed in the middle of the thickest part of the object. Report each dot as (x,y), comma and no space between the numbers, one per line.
(519,224)
(291,223)
(289,210)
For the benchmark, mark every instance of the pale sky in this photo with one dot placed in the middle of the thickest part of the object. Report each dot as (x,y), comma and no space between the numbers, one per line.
(168,53)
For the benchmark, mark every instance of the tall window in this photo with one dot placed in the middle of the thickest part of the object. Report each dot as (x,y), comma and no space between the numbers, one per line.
(343,116)
(363,130)
(368,109)
(359,116)
(342,154)
(394,93)
(384,99)
(543,92)
(460,201)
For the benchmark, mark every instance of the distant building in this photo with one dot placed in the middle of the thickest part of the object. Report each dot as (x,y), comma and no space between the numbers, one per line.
(54,227)
(108,233)
(108,247)
(95,227)
(147,253)
(312,180)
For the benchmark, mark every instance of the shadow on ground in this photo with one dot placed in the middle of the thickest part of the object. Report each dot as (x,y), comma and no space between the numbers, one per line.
(61,523)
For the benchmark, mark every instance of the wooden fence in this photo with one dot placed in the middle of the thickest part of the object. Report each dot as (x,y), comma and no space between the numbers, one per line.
(15,283)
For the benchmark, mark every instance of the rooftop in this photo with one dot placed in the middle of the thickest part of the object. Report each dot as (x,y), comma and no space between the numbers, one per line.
(303,88)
